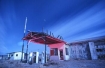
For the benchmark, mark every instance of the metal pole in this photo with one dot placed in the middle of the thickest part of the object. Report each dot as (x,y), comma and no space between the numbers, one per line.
(27,50)
(22,49)
(45,48)
(45,44)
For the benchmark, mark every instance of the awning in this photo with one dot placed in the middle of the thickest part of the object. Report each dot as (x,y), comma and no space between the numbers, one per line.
(42,38)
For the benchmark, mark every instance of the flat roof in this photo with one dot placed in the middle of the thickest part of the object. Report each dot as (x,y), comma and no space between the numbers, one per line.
(42,38)
(94,39)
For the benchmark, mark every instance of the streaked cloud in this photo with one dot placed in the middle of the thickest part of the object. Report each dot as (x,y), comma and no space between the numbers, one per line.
(3,47)
(90,21)
(74,20)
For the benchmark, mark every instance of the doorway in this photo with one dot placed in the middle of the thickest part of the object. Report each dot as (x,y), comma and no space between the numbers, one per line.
(61,54)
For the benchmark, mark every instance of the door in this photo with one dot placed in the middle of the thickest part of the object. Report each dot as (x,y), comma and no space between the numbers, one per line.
(51,52)
(61,54)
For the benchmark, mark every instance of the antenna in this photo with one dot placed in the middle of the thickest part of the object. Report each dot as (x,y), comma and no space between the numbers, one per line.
(42,30)
(50,33)
(61,38)
(47,32)
(58,36)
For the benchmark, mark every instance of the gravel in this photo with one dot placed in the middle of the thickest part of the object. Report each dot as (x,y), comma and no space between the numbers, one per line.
(55,64)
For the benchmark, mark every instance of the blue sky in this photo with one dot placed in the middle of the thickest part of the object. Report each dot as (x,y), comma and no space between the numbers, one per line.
(72,19)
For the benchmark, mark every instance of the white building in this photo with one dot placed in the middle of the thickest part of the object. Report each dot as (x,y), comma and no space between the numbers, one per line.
(16,56)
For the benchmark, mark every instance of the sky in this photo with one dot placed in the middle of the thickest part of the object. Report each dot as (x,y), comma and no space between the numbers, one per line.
(72,19)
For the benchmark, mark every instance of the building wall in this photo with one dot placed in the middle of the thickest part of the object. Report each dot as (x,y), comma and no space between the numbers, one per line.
(17,56)
(88,50)
(10,56)
(66,53)
(92,50)
(79,51)
(59,46)
(99,47)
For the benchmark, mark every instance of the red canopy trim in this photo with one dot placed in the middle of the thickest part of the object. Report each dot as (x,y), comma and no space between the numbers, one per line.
(42,38)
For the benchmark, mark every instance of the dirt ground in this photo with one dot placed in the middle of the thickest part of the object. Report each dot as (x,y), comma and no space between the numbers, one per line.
(55,64)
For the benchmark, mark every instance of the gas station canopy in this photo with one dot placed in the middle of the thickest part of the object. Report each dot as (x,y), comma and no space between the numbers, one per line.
(42,38)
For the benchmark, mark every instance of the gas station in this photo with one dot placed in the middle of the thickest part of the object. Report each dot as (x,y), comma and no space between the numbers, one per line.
(58,47)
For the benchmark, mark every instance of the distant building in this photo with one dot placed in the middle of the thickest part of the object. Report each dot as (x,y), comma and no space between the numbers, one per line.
(15,56)
(92,48)
(3,57)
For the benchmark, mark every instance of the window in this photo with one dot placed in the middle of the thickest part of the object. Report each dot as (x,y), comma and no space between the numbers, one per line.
(99,50)
(66,49)
(54,51)
(16,54)
(12,55)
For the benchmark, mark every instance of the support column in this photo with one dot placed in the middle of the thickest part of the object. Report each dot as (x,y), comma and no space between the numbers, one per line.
(92,50)
(45,48)
(27,50)
(22,51)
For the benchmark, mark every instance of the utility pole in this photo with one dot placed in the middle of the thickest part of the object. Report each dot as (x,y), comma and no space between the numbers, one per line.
(23,40)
